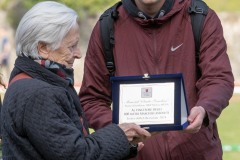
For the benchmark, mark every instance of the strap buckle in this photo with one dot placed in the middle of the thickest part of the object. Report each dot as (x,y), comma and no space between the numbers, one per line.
(196,9)
(110,67)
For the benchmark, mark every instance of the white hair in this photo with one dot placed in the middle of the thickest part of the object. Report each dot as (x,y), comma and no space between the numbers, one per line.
(47,22)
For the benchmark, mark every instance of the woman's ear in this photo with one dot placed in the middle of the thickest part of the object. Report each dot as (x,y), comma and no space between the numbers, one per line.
(43,50)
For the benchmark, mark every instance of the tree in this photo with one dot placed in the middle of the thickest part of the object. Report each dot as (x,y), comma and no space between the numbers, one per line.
(89,8)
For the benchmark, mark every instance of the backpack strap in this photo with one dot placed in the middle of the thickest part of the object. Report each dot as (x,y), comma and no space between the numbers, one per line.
(198,11)
(107,34)
(19,76)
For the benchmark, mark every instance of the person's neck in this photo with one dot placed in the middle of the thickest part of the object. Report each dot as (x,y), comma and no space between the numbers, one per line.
(150,9)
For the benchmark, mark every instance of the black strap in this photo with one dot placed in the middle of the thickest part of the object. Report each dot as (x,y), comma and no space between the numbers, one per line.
(198,11)
(107,34)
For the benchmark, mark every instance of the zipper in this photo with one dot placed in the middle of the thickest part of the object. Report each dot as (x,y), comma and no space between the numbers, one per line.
(155,51)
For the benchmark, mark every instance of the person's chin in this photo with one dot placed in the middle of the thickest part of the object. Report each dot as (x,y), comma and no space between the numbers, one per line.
(70,66)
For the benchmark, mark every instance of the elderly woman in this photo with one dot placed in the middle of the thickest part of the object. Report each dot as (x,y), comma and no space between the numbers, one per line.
(41,109)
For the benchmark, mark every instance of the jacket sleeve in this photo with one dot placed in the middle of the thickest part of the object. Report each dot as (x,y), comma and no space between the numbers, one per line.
(95,93)
(216,83)
(50,122)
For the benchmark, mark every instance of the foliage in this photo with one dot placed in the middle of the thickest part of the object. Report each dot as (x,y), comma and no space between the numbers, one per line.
(224,6)
(91,7)
(15,12)
(16,8)
(3,4)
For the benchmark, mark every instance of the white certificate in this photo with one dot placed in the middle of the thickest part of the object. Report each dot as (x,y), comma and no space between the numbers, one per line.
(146,103)
(155,102)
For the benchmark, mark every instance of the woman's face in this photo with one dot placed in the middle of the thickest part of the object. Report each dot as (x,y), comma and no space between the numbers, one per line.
(68,50)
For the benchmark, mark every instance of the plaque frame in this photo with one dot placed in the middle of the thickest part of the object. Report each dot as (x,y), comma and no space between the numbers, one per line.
(181,110)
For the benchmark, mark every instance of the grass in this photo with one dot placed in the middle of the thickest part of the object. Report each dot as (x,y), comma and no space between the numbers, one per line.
(228,127)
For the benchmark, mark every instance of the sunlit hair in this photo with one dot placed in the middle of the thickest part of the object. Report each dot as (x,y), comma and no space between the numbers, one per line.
(47,22)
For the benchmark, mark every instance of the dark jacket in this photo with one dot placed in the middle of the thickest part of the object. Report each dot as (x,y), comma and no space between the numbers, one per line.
(40,119)
(145,46)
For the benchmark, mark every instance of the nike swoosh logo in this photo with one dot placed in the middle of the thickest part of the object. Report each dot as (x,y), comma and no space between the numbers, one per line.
(175,48)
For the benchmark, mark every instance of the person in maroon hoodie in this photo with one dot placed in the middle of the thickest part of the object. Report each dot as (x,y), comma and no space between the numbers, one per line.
(156,37)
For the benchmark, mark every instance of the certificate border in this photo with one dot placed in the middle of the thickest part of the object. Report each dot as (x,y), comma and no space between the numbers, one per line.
(177,79)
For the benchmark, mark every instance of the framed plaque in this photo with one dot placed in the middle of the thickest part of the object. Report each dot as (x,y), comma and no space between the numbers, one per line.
(155,102)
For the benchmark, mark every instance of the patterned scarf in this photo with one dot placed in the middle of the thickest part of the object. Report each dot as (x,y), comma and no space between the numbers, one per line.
(59,69)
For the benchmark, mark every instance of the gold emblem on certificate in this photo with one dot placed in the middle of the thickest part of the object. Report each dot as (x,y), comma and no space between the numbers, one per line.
(146,92)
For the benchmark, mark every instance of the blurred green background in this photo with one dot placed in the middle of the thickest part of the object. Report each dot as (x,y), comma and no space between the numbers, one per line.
(228,126)
(16,8)
(229,130)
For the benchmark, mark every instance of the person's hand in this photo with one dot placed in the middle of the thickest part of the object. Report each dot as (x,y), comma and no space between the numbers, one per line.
(196,117)
(140,145)
(133,131)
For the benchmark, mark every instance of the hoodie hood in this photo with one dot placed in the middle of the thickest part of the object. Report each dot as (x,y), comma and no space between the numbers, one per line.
(169,8)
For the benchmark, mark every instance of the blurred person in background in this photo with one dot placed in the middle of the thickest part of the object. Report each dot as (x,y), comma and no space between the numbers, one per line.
(5,50)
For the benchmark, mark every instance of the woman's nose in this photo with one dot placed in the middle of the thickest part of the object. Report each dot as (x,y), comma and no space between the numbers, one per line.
(77,54)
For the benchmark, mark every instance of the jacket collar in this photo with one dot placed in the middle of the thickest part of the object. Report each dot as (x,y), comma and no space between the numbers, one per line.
(131,8)
(35,70)
(170,8)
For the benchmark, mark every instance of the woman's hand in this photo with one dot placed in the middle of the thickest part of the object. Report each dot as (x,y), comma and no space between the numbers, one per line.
(133,131)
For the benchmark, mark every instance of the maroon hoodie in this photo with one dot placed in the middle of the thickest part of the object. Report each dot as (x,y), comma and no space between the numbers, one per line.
(162,45)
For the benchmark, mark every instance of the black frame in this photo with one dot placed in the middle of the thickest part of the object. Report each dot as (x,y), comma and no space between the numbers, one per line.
(177,79)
